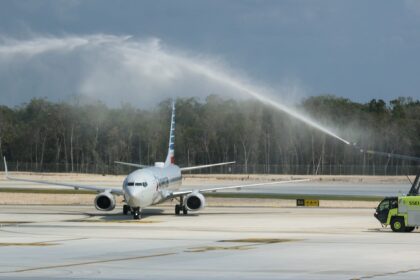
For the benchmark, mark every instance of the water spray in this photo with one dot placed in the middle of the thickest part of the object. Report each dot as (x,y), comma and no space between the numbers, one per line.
(237,85)
(388,155)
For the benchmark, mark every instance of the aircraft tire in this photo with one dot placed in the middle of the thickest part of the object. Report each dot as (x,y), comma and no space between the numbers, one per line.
(177,209)
(184,210)
(136,214)
(126,209)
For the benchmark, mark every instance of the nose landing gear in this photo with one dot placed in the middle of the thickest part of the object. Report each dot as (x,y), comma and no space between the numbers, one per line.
(136,213)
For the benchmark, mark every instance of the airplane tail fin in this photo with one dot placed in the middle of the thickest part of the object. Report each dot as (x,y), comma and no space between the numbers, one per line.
(170,158)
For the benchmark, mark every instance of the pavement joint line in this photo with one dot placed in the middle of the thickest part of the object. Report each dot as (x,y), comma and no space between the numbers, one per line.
(87,263)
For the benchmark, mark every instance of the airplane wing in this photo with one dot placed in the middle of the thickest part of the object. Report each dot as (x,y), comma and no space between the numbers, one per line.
(205,166)
(182,168)
(74,186)
(131,164)
(185,192)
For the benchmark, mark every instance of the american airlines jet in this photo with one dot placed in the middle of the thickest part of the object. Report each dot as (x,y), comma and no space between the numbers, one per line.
(151,185)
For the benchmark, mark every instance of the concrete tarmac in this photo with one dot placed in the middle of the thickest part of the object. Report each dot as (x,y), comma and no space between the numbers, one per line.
(77,242)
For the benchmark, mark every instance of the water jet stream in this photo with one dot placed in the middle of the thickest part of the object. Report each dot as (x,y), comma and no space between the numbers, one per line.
(224,79)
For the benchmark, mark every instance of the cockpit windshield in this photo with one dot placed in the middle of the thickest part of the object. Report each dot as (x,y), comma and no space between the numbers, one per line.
(142,184)
(389,203)
(384,205)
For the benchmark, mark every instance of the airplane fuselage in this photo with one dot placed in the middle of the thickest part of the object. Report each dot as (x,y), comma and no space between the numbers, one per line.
(151,185)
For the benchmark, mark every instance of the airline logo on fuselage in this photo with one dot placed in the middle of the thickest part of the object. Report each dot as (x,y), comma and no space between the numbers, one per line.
(163,182)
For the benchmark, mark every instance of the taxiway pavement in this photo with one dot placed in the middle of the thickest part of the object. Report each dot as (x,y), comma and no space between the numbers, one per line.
(77,242)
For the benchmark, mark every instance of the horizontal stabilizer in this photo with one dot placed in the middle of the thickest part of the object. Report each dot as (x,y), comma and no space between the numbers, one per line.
(205,166)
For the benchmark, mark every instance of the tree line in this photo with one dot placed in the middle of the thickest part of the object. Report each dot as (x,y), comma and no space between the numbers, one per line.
(48,136)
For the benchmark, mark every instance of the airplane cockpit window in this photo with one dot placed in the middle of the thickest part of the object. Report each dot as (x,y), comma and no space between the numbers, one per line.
(144,184)
(130,184)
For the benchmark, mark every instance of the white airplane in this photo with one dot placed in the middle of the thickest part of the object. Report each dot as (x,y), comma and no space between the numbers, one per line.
(151,185)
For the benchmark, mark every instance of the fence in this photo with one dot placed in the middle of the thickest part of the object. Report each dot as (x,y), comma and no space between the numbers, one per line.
(303,169)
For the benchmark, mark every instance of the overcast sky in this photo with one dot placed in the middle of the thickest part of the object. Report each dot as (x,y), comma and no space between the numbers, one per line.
(112,50)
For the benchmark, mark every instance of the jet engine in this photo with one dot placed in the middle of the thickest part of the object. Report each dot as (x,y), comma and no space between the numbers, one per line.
(195,201)
(105,201)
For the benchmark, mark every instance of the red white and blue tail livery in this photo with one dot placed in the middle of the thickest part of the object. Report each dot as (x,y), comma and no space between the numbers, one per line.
(170,158)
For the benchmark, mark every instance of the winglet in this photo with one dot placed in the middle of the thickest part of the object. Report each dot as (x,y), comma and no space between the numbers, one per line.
(5,167)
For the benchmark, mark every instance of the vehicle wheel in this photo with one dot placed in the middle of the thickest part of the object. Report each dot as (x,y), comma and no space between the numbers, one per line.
(184,210)
(126,209)
(177,209)
(397,224)
(409,229)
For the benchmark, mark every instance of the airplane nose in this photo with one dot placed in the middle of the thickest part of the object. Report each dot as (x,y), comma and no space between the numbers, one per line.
(133,195)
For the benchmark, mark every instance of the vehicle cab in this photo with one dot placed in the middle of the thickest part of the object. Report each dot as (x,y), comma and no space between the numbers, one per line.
(384,207)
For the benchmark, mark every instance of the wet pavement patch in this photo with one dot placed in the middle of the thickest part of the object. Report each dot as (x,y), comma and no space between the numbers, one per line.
(217,248)
(260,240)
(13,222)
(24,244)
(251,243)
(115,221)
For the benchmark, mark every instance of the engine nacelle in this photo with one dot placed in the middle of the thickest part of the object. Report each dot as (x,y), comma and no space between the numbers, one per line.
(105,201)
(195,201)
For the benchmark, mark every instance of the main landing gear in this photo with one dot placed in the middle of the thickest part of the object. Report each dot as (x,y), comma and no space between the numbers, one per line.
(135,211)
(126,209)
(181,207)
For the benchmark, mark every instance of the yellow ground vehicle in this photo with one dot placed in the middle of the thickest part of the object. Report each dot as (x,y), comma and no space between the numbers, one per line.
(401,213)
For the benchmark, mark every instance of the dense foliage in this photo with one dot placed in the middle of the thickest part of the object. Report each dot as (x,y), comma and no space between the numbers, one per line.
(72,137)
